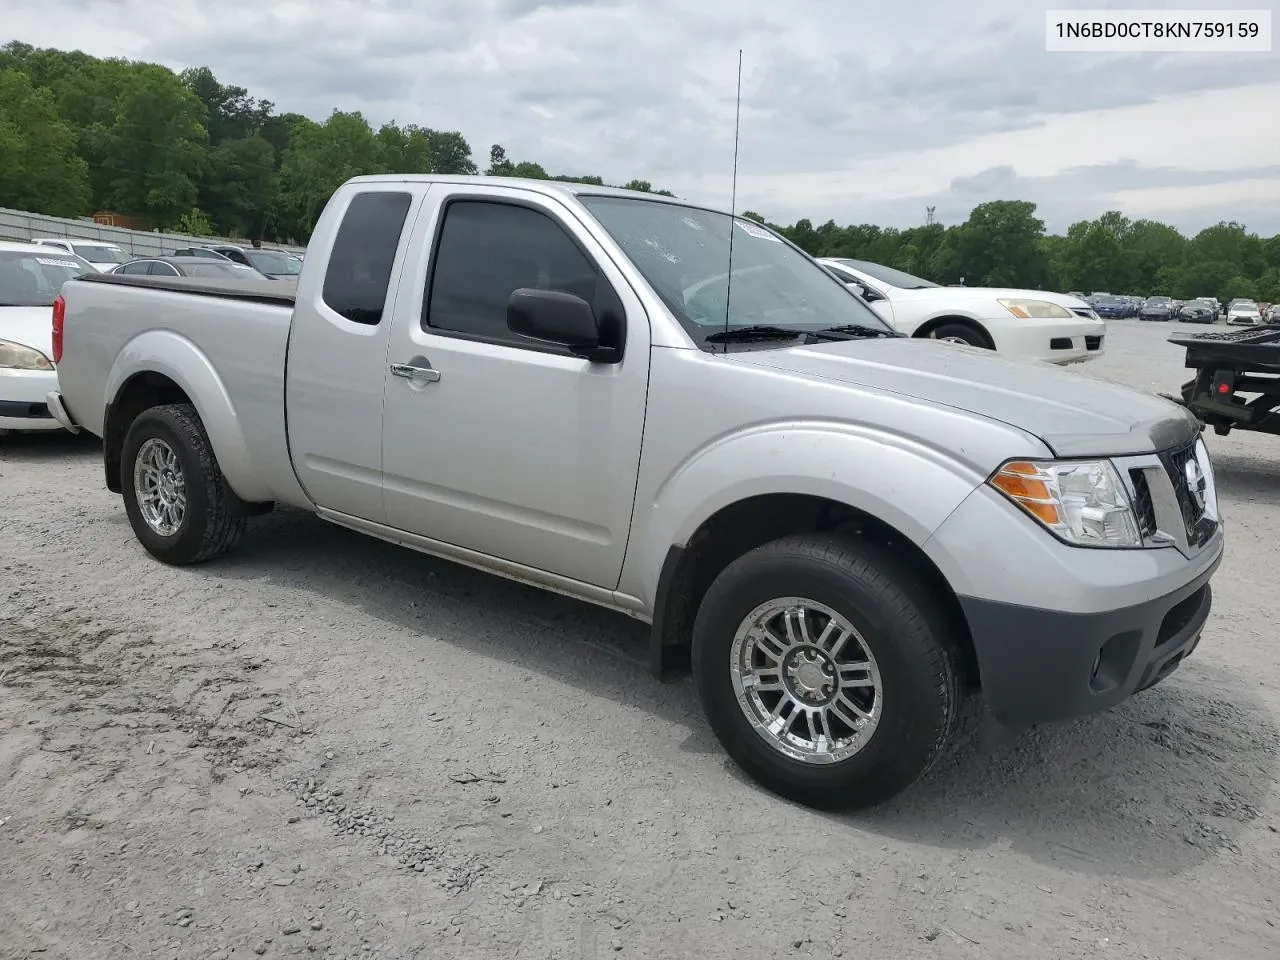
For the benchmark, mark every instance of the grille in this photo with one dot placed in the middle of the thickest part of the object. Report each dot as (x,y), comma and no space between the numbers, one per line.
(1142,504)
(1060,343)
(1199,527)
(1093,343)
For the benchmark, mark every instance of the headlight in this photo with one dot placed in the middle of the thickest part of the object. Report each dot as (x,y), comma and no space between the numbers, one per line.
(1036,309)
(1083,502)
(15,356)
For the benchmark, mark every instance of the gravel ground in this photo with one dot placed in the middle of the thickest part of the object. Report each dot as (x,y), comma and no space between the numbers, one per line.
(328,745)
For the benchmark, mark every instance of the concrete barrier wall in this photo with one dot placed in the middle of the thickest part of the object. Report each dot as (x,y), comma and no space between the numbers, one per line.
(16,225)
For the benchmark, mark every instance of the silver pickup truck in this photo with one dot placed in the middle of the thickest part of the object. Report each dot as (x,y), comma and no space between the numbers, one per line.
(840,532)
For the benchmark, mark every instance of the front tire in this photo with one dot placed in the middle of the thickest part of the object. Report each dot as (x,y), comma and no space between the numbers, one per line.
(827,670)
(960,333)
(177,500)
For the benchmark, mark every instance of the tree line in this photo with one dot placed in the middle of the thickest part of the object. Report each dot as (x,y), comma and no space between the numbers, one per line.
(187,153)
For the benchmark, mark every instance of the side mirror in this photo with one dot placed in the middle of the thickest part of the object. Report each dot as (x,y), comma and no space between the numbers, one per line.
(560,318)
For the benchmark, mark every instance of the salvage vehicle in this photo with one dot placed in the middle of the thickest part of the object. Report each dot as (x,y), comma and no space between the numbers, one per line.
(1112,308)
(30,277)
(100,253)
(1197,311)
(1243,312)
(1028,324)
(1237,380)
(841,532)
(1157,308)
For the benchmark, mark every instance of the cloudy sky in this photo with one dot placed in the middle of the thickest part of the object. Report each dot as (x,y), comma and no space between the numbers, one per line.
(849,112)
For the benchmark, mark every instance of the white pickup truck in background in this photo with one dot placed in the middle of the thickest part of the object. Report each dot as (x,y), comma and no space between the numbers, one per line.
(841,531)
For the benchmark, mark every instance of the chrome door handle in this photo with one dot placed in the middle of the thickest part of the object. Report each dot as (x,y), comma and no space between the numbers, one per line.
(409,372)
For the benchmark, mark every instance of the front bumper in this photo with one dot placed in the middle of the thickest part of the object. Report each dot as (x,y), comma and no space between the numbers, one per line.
(22,400)
(1042,614)
(1039,666)
(1054,341)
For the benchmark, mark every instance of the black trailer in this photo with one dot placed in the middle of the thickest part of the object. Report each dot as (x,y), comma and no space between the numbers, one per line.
(1237,381)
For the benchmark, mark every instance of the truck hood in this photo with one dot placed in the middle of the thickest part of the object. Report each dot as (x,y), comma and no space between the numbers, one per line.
(29,326)
(1076,415)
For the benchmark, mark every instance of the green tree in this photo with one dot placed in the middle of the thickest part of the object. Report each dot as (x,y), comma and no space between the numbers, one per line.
(414,149)
(1151,246)
(152,152)
(319,159)
(39,167)
(1268,285)
(1091,258)
(193,223)
(231,114)
(1240,288)
(239,186)
(999,245)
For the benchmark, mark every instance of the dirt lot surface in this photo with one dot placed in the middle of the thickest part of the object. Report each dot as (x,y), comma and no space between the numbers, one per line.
(325,745)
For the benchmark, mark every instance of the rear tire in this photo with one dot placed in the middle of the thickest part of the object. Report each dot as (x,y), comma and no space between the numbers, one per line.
(176,497)
(907,689)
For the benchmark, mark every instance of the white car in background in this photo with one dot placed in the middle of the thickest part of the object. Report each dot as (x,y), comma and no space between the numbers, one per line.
(1243,311)
(1027,324)
(101,254)
(30,277)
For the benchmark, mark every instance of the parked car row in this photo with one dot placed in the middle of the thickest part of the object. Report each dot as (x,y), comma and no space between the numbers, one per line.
(1240,311)
(111,258)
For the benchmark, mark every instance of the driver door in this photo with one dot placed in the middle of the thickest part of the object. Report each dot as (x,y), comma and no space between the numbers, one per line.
(506,446)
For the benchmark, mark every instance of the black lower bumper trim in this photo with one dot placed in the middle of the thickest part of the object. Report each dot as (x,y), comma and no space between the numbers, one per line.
(25,410)
(1039,666)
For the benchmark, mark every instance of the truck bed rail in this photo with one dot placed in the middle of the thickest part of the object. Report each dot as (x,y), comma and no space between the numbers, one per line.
(283,292)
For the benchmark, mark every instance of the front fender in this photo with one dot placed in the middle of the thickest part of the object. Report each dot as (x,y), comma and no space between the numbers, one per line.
(908,485)
(179,359)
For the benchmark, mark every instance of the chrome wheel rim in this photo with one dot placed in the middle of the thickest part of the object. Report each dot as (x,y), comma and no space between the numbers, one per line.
(806,680)
(953,340)
(160,486)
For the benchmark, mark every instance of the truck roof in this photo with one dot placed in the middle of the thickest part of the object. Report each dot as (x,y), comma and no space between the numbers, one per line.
(571,188)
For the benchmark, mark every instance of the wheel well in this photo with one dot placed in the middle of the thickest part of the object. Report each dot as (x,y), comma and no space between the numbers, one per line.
(926,329)
(140,392)
(747,524)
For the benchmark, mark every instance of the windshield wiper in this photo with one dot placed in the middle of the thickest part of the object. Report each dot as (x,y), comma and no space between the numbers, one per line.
(850,330)
(754,332)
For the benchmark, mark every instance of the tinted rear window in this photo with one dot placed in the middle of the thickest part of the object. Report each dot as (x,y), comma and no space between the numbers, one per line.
(364,251)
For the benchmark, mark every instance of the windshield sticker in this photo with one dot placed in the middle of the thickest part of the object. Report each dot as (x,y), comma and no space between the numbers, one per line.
(758,232)
(58,263)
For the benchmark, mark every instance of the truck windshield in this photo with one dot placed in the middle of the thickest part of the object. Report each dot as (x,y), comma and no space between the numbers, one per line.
(34,279)
(683,252)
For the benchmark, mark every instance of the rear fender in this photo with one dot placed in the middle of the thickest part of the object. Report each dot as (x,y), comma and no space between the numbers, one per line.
(179,359)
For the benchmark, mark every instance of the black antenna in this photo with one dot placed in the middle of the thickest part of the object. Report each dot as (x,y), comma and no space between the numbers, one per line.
(733,200)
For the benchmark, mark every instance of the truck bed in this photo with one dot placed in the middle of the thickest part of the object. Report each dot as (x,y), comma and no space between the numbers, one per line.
(222,342)
(259,291)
